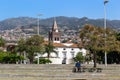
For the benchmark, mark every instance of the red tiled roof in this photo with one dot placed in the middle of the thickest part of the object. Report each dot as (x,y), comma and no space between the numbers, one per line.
(72,45)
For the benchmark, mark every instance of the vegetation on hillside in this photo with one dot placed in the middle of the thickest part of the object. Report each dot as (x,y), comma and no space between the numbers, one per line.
(63,22)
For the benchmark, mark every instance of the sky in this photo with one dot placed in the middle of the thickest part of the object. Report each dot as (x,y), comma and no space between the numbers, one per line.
(93,9)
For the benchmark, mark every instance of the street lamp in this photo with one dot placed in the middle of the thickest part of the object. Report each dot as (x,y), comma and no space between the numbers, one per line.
(105,1)
(38,23)
(38,33)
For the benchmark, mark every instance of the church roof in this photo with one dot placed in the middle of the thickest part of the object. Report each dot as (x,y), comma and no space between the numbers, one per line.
(64,45)
(71,45)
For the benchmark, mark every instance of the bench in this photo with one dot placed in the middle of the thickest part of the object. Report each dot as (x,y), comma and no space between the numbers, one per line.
(99,69)
(95,70)
(84,69)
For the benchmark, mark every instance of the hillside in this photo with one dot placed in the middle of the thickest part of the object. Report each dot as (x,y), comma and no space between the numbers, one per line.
(63,22)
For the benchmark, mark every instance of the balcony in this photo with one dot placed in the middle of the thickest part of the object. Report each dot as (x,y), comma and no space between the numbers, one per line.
(64,51)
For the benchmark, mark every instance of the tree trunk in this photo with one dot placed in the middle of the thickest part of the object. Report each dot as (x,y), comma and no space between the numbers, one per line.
(94,59)
(31,59)
(48,56)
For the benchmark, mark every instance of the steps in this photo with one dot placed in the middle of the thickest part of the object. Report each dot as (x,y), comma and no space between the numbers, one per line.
(55,72)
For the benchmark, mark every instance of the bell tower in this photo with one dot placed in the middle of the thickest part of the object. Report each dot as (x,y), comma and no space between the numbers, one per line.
(54,34)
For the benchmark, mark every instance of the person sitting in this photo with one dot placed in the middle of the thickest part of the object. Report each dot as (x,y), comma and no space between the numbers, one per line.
(78,65)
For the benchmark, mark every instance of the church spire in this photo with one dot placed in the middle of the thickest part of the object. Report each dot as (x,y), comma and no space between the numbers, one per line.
(55,35)
(55,27)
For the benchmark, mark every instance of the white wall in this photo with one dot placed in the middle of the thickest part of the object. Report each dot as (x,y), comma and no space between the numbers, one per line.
(67,52)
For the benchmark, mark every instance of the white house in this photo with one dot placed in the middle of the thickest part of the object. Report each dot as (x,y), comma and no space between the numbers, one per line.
(66,52)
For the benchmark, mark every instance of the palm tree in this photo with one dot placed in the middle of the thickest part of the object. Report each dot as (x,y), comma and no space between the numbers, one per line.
(49,48)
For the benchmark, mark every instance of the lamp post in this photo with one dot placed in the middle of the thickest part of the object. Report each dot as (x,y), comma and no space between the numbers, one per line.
(105,1)
(38,62)
(38,28)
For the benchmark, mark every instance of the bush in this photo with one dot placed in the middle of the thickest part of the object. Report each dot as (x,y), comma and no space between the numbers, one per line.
(79,57)
(43,61)
(6,57)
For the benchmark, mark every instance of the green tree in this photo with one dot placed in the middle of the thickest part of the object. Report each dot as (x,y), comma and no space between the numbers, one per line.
(79,57)
(2,42)
(49,48)
(6,57)
(91,39)
(21,47)
(118,36)
(95,40)
(34,45)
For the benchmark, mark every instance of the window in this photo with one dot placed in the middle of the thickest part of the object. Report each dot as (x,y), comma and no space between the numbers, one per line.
(72,54)
(57,38)
(64,55)
(64,49)
(72,49)
(57,55)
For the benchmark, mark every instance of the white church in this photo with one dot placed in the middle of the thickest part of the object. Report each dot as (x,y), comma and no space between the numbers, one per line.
(65,51)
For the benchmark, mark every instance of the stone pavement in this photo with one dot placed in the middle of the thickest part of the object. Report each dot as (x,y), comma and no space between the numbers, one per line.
(55,72)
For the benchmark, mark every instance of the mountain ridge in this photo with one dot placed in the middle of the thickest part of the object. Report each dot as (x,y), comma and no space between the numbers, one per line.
(62,21)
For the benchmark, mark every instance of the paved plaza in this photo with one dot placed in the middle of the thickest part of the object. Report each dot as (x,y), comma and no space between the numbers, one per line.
(56,72)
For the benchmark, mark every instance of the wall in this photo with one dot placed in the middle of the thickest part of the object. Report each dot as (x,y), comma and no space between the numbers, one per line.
(65,55)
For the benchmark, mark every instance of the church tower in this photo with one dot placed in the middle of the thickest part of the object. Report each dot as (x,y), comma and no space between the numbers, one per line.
(54,34)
